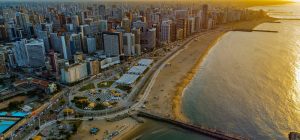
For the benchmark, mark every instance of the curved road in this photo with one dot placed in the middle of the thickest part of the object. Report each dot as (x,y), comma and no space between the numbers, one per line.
(141,101)
(157,68)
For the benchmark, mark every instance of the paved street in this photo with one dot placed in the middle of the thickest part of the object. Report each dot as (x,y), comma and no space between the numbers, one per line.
(129,107)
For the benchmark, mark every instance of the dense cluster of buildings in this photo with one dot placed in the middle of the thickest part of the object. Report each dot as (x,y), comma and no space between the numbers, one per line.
(73,41)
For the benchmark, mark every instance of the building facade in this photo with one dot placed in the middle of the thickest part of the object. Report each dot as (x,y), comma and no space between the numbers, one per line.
(129,44)
(113,43)
(74,73)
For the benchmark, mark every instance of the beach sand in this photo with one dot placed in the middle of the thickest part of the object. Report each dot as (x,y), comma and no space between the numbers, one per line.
(83,132)
(166,93)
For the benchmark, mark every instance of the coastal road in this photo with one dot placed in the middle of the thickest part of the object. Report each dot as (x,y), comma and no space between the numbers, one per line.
(151,81)
(156,68)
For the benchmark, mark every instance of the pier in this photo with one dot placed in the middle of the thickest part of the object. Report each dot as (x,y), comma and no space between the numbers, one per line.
(213,133)
(273,22)
(288,18)
(248,30)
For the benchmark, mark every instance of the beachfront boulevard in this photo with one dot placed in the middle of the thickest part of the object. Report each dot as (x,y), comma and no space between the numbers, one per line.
(116,93)
(129,104)
(138,97)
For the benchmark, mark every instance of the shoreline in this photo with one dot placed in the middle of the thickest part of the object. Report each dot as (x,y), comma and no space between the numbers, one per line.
(182,70)
(186,81)
(181,88)
(166,95)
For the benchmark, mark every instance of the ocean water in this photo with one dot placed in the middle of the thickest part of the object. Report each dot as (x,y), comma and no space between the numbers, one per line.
(249,83)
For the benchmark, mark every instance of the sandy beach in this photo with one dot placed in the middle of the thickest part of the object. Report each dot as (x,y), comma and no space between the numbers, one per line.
(84,134)
(166,93)
(165,96)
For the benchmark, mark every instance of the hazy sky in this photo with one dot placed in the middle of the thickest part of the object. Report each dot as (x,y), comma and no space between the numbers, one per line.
(250,1)
(154,0)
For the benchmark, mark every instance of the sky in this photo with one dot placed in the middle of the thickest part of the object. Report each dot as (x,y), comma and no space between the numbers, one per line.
(156,0)
(259,1)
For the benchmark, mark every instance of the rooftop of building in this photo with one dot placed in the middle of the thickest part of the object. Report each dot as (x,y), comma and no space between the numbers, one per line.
(137,70)
(35,42)
(128,79)
(145,62)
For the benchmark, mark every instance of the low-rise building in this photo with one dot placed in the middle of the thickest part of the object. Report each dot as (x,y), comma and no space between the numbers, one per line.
(128,79)
(145,62)
(107,62)
(48,87)
(137,70)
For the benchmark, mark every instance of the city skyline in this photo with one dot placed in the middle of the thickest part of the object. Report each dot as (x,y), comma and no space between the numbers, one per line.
(127,69)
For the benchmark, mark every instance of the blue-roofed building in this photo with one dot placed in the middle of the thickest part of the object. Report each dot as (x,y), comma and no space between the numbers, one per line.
(5,125)
(19,114)
(3,113)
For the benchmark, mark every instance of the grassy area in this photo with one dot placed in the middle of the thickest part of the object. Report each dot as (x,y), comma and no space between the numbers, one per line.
(124,88)
(105,84)
(80,102)
(87,87)
(99,107)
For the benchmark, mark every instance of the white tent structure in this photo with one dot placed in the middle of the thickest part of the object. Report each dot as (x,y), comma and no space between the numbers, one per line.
(127,79)
(145,62)
(137,70)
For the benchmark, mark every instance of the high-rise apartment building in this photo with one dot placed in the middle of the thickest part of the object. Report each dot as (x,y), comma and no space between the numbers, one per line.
(165,36)
(35,53)
(112,43)
(129,44)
